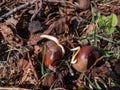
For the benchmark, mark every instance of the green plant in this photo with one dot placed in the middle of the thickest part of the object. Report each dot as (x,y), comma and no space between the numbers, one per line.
(107,22)
(95,31)
(43,70)
(93,83)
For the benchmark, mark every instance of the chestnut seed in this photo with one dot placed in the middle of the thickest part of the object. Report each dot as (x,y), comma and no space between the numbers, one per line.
(84,58)
(53,52)
(55,40)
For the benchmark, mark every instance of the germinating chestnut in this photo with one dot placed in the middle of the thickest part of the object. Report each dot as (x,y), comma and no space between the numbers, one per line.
(84,58)
(53,51)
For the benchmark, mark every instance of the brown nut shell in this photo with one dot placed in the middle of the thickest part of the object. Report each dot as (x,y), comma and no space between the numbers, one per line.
(53,53)
(85,58)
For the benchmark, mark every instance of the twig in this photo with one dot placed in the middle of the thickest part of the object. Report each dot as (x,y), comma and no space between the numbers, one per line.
(34,71)
(58,89)
(17,9)
(106,39)
(96,7)
(70,70)
(13,88)
(57,1)
(39,6)
(99,59)
(63,2)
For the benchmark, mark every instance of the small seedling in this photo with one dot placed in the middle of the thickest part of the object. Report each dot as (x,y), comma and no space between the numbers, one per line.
(108,23)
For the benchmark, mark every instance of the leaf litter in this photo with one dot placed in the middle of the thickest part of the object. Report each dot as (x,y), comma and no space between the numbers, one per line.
(68,23)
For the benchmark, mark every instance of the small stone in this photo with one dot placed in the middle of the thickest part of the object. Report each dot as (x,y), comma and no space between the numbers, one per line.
(34,26)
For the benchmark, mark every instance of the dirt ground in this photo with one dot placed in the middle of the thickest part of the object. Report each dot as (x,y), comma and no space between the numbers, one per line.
(59,44)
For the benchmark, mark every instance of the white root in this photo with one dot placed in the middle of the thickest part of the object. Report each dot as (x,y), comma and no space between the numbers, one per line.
(73,60)
(55,40)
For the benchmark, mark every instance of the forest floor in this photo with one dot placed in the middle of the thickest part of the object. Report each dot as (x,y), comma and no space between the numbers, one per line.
(59,44)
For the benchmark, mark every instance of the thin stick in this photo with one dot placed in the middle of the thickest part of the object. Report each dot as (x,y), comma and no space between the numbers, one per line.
(70,70)
(114,42)
(17,9)
(36,12)
(34,71)
(13,88)
(99,59)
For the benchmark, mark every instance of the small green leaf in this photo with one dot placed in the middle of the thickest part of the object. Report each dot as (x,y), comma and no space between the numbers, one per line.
(98,15)
(110,30)
(113,20)
(102,21)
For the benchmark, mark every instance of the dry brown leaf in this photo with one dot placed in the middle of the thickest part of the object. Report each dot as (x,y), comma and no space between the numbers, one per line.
(84,4)
(48,80)
(23,64)
(8,35)
(34,39)
(90,28)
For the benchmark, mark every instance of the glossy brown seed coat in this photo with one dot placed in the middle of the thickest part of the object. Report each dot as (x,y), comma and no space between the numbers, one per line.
(85,58)
(53,53)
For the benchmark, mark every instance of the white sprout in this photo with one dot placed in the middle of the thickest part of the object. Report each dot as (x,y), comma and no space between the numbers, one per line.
(55,40)
(73,60)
